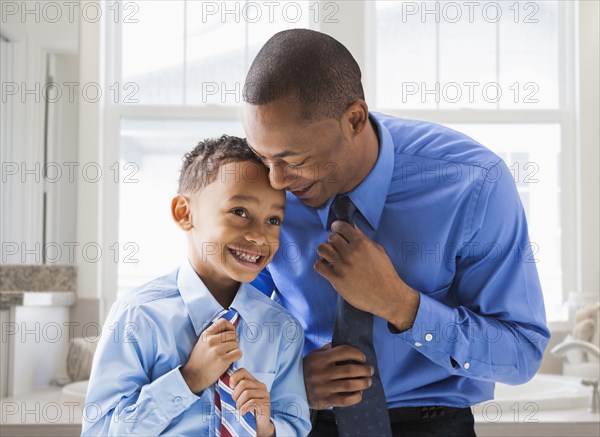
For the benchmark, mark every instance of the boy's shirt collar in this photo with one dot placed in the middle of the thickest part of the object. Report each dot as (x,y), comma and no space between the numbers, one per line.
(201,304)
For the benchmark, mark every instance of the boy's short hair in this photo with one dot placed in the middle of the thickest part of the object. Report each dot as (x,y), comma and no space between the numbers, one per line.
(201,165)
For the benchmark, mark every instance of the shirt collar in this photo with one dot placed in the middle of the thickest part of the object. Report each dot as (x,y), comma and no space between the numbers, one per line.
(201,305)
(370,195)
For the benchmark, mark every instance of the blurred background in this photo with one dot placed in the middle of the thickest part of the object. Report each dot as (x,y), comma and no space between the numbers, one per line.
(100,100)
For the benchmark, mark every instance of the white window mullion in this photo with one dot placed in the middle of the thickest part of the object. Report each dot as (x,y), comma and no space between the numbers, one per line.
(437,59)
(109,198)
(179,111)
(498,58)
(185,40)
(567,93)
(246,42)
(370,67)
(480,116)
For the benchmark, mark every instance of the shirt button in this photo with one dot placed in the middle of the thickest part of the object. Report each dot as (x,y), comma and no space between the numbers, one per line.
(428,337)
(466,366)
(418,344)
(177,399)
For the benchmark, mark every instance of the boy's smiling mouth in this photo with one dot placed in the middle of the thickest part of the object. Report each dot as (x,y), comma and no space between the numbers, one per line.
(247,258)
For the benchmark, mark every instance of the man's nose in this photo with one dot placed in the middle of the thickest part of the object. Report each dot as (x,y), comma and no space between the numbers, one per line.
(278,176)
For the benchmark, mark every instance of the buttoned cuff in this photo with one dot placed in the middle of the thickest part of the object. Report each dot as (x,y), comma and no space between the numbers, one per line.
(436,333)
(172,393)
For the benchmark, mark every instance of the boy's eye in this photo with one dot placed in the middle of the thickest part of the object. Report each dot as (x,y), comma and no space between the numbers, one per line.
(275,221)
(240,212)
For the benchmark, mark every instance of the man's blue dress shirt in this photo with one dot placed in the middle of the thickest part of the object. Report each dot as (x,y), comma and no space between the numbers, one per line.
(447,212)
(136,387)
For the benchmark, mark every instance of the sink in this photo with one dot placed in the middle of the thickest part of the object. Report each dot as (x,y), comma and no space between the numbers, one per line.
(74,392)
(545,392)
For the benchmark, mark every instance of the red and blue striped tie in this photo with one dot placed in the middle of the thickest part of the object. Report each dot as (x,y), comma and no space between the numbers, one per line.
(228,422)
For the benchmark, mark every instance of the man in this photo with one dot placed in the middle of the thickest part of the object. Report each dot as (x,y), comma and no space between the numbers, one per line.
(437,252)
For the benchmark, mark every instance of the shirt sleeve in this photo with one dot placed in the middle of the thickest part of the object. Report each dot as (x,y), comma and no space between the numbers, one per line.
(121,398)
(289,407)
(492,326)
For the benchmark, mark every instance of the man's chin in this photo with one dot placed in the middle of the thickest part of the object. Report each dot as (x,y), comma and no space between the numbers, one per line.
(317,199)
(316,202)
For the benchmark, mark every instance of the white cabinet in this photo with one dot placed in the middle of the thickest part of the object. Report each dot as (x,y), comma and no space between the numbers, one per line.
(35,341)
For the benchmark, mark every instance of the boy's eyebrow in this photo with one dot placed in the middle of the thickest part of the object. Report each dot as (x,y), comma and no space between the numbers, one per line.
(283,154)
(253,199)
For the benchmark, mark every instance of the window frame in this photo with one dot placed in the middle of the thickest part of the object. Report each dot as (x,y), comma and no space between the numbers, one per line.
(356,29)
(564,115)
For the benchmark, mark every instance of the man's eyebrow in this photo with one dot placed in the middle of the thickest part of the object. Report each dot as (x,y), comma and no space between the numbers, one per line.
(253,199)
(283,154)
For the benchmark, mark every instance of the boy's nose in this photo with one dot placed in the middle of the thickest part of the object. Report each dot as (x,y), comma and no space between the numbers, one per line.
(257,235)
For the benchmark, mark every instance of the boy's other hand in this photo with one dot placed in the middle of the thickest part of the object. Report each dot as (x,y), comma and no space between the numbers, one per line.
(212,355)
(252,395)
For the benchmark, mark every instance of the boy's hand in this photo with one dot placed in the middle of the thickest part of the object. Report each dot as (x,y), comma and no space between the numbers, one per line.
(214,352)
(252,395)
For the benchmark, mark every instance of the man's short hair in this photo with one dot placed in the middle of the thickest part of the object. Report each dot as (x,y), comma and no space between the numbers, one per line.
(201,165)
(306,66)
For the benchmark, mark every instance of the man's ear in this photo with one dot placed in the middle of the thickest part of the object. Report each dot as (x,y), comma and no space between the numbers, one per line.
(181,212)
(358,116)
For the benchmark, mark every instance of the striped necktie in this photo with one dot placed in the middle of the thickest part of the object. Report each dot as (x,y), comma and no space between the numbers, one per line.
(355,327)
(228,422)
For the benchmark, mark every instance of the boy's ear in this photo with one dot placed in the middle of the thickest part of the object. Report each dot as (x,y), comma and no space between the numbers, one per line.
(180,210)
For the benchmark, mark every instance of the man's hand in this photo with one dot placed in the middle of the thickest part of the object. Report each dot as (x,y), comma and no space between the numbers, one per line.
(363,274)
(251,395)
(332,385)
(212,355)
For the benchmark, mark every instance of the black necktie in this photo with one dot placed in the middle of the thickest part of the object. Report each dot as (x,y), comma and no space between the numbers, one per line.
(355,327)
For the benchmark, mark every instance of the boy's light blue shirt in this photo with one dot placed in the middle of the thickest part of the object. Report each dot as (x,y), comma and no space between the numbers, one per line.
(136,387)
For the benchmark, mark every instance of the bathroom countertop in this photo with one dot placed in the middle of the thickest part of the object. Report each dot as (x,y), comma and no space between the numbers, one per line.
(47,413)
(540,423)
(37,298)
(37,285)
(41,413)
(38,277)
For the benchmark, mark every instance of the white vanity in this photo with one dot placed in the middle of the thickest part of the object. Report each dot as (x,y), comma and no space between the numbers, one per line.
(35,302)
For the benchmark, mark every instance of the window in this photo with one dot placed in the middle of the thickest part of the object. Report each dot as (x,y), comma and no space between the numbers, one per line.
(180,63)
(497,71)
(452,55)
(197,52)
(151,155)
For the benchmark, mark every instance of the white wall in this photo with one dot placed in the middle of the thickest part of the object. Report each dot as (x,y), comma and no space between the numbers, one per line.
(42,23)
(589,142)
(31,31)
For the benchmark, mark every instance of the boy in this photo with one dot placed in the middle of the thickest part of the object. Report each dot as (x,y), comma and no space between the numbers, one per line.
(169,347)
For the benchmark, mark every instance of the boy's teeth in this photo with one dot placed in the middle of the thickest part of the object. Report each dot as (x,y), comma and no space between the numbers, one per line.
(247,257)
